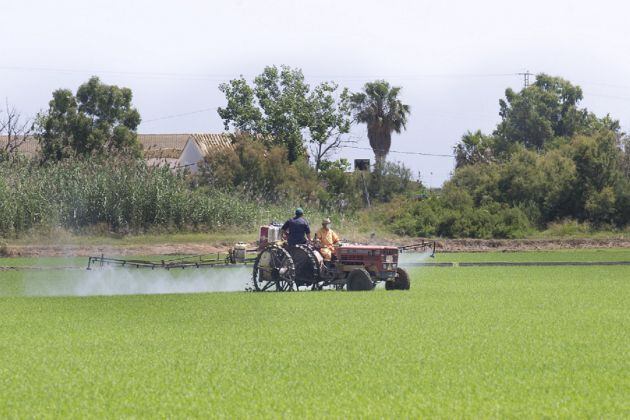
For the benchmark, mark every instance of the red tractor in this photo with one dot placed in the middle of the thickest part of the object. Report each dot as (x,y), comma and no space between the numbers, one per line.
(279,267)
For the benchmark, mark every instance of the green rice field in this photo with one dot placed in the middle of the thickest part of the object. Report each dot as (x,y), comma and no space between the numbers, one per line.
(463,342)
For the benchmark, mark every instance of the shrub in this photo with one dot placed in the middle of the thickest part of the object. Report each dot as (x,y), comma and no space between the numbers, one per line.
(388,180)
(568,227)
(253,169)
(451,214)
(600,206)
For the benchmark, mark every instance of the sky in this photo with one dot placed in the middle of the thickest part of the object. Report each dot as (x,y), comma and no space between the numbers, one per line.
(453,59)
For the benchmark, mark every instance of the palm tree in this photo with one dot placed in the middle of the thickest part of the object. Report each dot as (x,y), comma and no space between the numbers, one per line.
(379,107)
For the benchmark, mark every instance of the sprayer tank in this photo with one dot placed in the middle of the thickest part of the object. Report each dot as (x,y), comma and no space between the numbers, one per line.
(269,234)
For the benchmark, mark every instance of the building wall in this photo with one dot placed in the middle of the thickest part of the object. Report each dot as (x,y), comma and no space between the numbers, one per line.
(190,156)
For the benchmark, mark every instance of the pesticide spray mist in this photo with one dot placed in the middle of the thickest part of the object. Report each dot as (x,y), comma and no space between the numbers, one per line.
(116,281)
(409,259)
(128,281)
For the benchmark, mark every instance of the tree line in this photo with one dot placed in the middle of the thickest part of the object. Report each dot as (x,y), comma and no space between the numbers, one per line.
(547,160)
(90,171)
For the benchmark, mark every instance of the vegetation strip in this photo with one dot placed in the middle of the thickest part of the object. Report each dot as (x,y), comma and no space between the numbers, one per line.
(429,264)
(30,267)
(540,263)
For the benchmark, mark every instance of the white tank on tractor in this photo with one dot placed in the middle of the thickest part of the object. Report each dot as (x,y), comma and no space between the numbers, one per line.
(269,234)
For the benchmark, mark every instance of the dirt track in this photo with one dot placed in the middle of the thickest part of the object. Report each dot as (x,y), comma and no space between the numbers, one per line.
(444,245)
(85,251)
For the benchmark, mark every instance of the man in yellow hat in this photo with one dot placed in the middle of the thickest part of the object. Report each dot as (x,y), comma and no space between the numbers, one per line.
(327,239)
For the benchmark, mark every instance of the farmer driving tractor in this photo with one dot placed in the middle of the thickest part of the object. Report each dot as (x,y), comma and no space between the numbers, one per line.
(327,239)
(296,229)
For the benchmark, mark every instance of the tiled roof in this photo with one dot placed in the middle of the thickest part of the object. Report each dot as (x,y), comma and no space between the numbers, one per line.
(153,145)
(167,146)
(154,142)
(212,142)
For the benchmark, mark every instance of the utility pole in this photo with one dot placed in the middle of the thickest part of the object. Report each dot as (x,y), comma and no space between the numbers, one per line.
(367,194)
(525,78)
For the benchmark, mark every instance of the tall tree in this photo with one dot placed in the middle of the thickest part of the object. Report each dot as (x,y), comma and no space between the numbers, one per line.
(282,109)
(541,112)
(99,119)
(379,107)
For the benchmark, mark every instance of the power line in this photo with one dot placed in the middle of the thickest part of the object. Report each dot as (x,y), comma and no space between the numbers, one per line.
(582,82)
(351,147)
(200,76)
(624,98)
(124,73)
(199,111)
(403,152)
(187,165)
(218,77)
(166,117)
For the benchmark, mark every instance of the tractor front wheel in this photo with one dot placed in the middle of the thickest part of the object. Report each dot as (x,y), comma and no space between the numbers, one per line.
(358,280)
(400,282)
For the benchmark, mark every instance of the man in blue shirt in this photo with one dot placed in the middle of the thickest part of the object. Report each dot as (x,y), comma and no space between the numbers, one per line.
(298,230)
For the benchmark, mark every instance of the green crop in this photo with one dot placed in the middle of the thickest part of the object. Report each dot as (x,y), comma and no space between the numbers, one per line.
(463,342)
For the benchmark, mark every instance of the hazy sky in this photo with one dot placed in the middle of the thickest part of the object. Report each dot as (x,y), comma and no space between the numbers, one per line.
(453,59)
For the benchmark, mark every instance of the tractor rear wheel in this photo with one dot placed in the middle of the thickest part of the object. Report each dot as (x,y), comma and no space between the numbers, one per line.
(400,282)
(307,265)
(358,280)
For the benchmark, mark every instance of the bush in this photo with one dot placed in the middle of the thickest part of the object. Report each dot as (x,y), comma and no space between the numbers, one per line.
(388,180)
(255,170)
(452,214)
(411,217)
(600,206)
(568,227)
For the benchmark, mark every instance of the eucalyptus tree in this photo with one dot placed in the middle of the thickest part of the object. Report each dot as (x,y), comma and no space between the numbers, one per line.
(98,120)
(538,114)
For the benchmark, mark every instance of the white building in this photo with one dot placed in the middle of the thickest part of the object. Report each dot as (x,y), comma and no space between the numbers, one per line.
(198,146)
